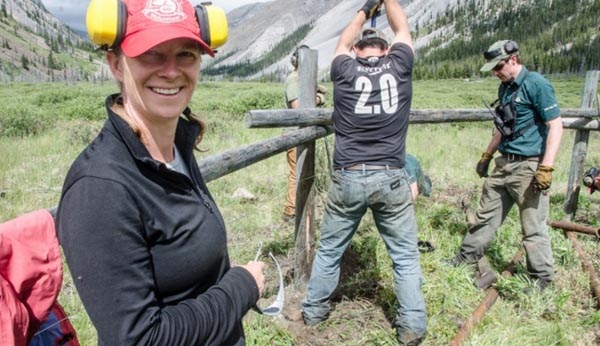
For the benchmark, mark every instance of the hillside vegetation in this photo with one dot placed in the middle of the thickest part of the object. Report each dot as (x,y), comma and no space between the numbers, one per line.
(43,127)
(36,47)
(558,36)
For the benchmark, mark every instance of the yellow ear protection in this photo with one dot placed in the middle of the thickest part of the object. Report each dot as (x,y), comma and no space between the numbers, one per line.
(294,57)
(106,22)
(511,47)
(213,24)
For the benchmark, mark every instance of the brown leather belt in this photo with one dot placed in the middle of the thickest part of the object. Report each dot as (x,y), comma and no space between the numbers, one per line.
(361,167)
(514,157)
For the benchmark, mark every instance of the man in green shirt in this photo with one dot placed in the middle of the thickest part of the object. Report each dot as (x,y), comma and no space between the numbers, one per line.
(527,136)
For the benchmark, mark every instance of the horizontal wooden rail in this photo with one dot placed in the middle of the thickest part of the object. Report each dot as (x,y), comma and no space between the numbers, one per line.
(574,118)
(216,166)
(287,117)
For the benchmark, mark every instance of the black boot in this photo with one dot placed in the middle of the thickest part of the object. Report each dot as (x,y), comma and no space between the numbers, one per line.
(455,261)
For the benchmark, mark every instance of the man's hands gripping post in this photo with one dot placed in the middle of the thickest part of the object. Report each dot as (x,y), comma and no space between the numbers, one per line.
(483,164)
(371,7)
(543,178)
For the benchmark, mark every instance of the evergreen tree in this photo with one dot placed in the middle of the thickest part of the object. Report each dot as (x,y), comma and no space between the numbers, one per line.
(24,62)
(51,64)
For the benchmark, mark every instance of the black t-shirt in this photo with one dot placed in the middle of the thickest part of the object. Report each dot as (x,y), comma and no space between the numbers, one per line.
(372,100)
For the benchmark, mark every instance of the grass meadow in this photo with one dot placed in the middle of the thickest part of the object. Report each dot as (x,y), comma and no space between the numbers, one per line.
(43,127)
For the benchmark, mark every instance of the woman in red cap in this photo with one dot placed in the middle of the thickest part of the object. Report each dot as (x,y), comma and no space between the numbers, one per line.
(144,240)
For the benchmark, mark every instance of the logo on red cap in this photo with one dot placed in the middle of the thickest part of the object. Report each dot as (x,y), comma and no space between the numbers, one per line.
(164,11)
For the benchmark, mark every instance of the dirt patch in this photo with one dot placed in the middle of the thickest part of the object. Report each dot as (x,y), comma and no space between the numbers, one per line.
(357,306)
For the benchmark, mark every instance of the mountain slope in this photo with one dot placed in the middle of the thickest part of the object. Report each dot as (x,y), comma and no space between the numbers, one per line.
(36,46)
(324,20)
(557,36)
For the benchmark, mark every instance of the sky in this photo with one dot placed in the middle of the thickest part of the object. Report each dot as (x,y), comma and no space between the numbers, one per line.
(72,12)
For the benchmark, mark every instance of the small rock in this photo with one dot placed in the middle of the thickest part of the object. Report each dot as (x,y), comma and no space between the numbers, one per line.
(244,194)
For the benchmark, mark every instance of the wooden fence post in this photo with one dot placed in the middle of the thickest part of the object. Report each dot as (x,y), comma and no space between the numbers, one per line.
(305,173)
(580,147)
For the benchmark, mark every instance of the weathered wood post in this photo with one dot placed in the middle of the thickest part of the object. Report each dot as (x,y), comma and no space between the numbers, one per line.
(578,159)
(305,173)
(580,147)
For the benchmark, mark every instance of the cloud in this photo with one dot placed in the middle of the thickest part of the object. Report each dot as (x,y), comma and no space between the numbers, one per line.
(71,12)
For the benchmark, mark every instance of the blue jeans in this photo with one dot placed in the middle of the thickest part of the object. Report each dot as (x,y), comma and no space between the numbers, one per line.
(387,194)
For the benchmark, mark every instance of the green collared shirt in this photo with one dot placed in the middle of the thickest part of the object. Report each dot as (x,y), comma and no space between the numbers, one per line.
(291,88)
(535,101)
(416,174)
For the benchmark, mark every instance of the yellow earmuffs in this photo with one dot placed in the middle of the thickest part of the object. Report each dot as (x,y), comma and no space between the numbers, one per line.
(106,22)
(213,24)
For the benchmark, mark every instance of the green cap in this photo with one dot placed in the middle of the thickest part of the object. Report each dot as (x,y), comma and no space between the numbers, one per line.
(497,52)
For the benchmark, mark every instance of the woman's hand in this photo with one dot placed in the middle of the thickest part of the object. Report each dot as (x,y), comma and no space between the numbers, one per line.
(256,268)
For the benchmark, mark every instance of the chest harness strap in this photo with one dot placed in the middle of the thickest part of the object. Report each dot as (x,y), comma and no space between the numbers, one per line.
(505,115)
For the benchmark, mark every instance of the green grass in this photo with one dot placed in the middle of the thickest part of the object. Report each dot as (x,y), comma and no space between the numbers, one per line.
(33,166)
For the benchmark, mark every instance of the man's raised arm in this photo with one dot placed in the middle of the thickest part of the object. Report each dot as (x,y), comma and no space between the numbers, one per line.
(346,39)
(398,22)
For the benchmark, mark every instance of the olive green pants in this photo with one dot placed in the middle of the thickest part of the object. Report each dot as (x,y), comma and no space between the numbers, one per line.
(511,183)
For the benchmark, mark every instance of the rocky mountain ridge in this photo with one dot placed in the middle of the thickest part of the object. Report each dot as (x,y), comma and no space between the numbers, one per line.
(256,28)
(561,36)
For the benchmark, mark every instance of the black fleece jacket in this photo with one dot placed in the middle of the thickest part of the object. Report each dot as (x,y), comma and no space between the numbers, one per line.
(146,246)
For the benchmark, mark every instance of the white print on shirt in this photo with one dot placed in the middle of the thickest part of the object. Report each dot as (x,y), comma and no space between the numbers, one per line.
(164,11)
(373,70)
(389,95)
(551,107)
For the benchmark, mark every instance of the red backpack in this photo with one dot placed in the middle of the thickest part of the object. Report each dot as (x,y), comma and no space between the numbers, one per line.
(30,280)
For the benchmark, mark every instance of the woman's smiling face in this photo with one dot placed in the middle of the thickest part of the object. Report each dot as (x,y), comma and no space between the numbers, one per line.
(160,82)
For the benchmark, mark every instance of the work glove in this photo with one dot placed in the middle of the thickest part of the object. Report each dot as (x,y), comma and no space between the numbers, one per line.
(484,164)
(321,89)
(543,177)
(371,7)
(320,99)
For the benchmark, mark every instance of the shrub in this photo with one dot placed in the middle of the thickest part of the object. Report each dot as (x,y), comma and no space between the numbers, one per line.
(23,120)
(83,131)
(84,108)
(55,97)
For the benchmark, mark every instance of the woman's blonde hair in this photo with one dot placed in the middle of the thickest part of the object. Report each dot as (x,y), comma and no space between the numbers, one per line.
(187,115)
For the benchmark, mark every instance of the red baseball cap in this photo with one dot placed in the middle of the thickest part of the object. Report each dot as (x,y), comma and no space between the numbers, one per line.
(152,22)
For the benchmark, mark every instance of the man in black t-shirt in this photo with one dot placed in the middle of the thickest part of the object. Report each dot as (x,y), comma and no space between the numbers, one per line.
(372,94)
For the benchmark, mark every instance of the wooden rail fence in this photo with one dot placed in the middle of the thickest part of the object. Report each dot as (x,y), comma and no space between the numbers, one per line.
(315,123)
